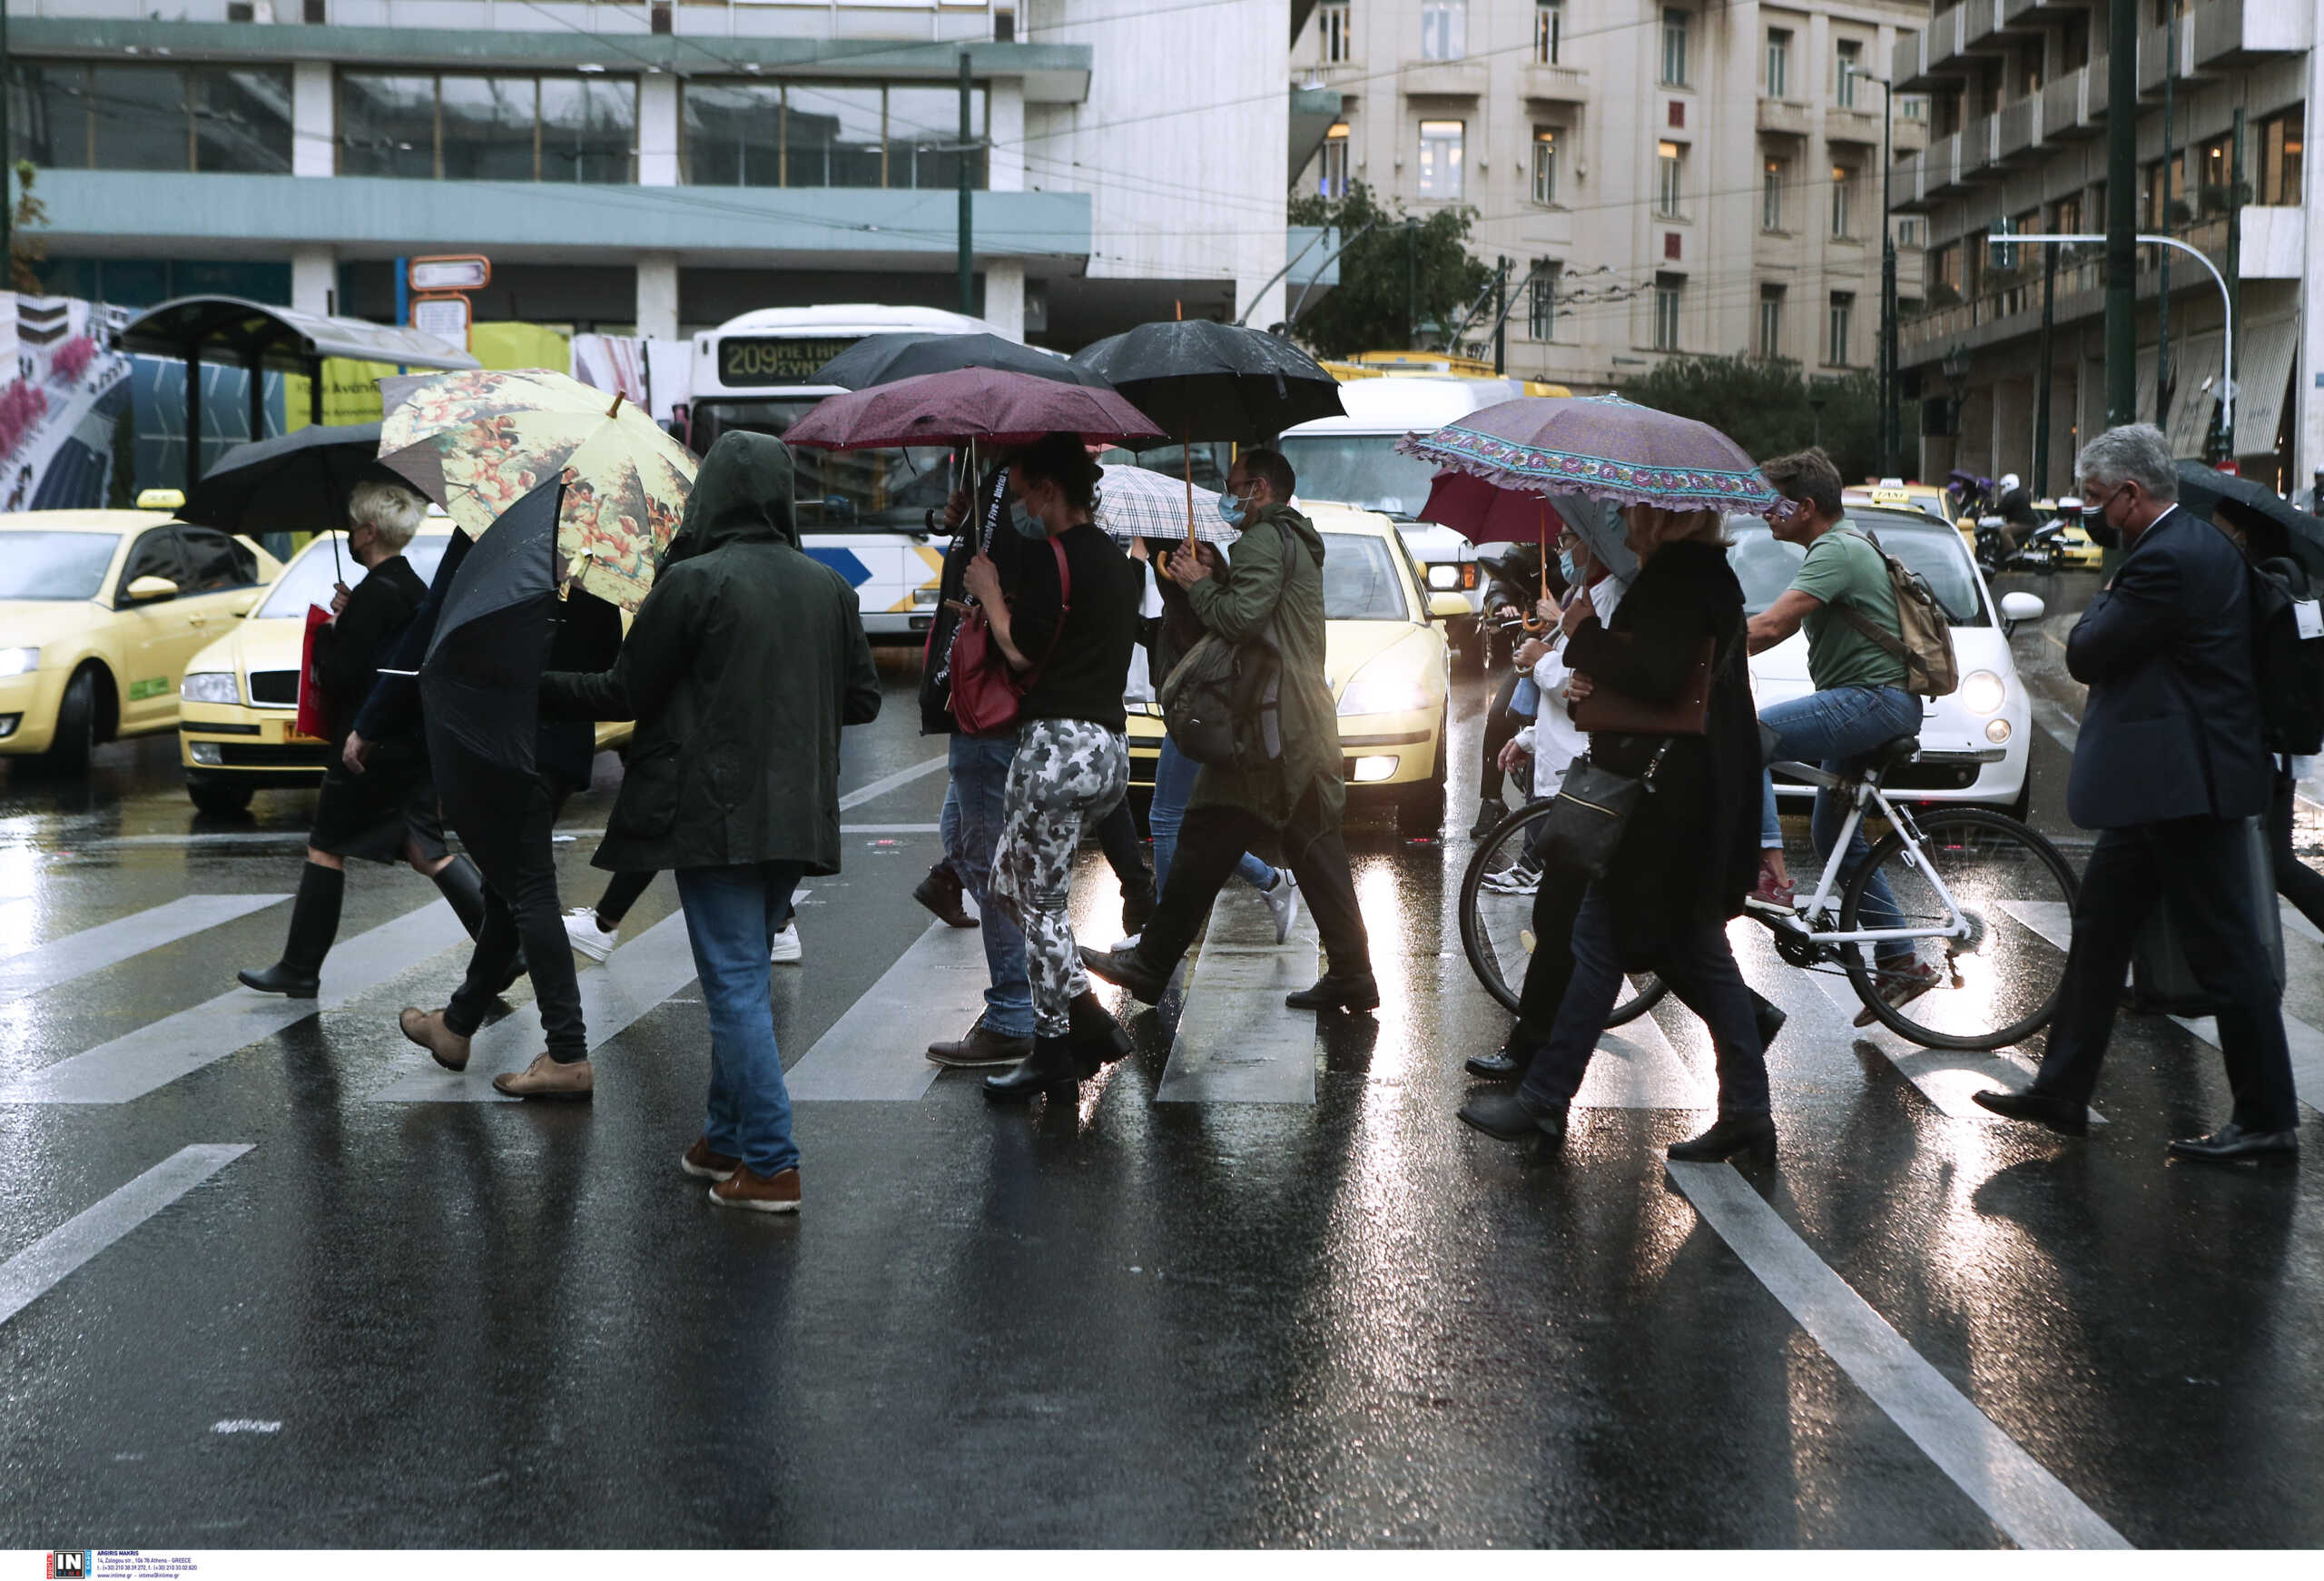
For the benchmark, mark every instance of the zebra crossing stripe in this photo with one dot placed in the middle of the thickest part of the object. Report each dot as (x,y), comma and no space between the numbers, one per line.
(32,1272)
(877,1051)
(1237,1042)
(110,944)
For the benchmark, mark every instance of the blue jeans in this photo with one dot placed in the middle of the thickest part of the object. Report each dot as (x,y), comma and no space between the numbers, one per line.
(1836,729)
(732,913)
(1174,781)
(971,825)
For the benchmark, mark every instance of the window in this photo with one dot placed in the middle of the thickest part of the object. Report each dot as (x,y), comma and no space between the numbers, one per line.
(1668,288)
(1778,62)
(1549,31)
(733,134)
(1332,182)
(1843,201)
(1670,165)
(2065,217)
(1771,185)
(832,136)
(1836,337)
(1545,165)
(1911,231)
(1851,67)
(923,137)
(1675,25)
(215,562)
(1771,321)
(1339,42)
(1439,159)
(1541,299)
(2280,146)
(1913,107)
(1944,269)
(1443,29)
(480,128)
(70,116)
(769,134)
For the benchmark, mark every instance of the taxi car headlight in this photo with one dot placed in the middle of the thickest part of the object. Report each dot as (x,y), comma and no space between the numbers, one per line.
(208,754)
(1382,693)
(1444,578)
(211,686)
(1982,691)
(19,661)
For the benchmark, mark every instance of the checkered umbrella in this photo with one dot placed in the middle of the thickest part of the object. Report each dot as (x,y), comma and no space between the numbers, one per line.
(1136,502)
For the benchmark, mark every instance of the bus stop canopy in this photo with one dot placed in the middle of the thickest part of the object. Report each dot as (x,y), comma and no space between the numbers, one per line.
(254,336)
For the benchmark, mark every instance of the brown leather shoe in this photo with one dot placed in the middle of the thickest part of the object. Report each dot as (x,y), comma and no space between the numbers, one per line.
(982,1046)
(703,1164)
(746,1189)
(427,1028)
(545,1078)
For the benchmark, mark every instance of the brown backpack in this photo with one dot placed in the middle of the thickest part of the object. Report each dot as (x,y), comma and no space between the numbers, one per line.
(1926,643)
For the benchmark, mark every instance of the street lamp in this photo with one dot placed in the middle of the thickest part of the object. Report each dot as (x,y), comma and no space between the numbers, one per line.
(1892,439)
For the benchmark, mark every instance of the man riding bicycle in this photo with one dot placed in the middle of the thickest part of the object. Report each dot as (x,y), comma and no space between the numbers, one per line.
(1860,702)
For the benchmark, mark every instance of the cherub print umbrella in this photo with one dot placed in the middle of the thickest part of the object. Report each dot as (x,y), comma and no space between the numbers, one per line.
(477,442)
(1600,446)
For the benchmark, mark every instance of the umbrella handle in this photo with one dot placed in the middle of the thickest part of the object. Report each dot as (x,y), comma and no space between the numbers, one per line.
(616,406)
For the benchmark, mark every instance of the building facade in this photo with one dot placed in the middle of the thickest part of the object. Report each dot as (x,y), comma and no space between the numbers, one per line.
(657,168)
(2020,109)
(1666,179)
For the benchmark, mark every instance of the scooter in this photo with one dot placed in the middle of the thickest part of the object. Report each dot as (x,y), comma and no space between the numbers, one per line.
(2041,551)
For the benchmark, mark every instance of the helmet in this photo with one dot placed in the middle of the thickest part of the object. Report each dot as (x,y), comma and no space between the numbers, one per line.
(2008,481)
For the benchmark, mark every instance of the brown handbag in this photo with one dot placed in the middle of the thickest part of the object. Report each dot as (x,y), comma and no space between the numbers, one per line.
(1688,714)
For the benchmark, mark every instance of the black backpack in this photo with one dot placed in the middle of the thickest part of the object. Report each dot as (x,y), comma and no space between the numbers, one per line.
(2288,662)
(1223,703)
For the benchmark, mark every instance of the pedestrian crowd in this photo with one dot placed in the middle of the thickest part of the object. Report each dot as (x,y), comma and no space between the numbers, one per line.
(747,659)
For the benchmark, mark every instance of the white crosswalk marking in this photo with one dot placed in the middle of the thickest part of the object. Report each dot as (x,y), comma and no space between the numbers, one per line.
(1635,1067)
(1237,1042)
(42,1266)
(637,978)
(877,1051)
(1947,1078)
(109,944)
(160,1052)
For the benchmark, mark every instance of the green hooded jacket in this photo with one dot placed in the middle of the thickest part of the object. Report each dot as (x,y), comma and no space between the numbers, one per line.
(742,665)
(1276,574)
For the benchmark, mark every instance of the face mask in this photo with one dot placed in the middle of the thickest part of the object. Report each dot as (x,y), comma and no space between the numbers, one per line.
(1027,526)
(1232,511)
(1572,572)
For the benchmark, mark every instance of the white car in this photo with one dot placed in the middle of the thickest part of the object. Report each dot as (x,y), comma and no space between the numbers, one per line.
(1974,743)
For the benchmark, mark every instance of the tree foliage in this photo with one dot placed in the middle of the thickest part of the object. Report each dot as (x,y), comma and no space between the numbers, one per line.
(27,247)
(1403,274)
(1764,405)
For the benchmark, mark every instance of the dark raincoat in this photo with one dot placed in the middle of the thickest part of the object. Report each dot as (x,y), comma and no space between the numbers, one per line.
(742,665)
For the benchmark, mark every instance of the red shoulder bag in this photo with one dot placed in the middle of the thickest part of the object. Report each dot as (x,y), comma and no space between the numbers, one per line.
(985,690)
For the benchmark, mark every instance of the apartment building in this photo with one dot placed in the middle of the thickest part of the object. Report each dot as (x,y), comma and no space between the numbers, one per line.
(659,167)
(2019,111)
(1666,178)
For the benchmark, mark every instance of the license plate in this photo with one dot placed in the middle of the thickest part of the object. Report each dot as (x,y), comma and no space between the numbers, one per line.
(300,738)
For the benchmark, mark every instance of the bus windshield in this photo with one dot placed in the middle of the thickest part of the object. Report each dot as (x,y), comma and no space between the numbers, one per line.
(837,490)
(1359,469)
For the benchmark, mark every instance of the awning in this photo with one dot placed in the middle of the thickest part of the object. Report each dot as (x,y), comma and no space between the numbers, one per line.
(2194,394)
(228,329)
(2266,351)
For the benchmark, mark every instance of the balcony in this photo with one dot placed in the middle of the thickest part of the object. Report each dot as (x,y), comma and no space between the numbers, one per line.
(1944,49)
(1554,85)
(2032,15)
(1908,185)
(1858,126)
(1783,117)
(2017,131)
(1446,79)
(2232,33)
(1979,153)
(2065,108)
(1944,176)
(2154,56)
(1909,133)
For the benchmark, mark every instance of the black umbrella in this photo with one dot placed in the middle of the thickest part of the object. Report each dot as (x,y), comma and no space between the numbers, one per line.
(2272,525)
(479,684)
(1203,380)
(885,359)
(294,482)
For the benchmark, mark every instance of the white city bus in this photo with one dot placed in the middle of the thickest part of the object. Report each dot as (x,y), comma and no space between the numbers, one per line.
(862,513)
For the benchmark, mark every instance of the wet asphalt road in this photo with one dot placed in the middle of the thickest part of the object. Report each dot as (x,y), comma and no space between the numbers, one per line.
(404,1317)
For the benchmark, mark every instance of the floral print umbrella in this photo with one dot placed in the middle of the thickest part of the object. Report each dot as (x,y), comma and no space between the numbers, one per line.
(475,442)
(1600,446)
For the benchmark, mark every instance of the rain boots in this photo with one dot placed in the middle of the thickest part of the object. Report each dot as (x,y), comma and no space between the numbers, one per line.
(462,886)
(1050,1071)
(314,924)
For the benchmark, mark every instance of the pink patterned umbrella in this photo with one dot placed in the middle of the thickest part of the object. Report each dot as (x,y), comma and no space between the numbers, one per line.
(1600,446)
(966,406)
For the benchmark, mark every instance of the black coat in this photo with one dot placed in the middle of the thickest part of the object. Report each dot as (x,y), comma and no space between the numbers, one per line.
(357,643)
(1691,850)
(2171,730)
(742,665)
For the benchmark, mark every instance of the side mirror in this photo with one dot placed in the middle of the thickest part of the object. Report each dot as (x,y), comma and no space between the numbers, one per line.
(1448,607)
(151,590)
(2019,607)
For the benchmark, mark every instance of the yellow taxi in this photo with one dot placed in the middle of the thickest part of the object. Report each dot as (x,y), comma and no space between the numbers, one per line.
(1889,494)
(1387,662)
(99,613)
(2079,549)
(239,702)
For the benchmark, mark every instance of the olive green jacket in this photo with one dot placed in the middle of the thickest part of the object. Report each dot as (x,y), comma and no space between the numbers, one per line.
(1274,583)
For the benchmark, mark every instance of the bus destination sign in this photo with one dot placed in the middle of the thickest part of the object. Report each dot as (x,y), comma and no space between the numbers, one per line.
(768,360)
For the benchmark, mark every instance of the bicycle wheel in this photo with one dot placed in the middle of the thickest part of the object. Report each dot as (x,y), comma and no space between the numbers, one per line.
(1497,894)
(1998,985)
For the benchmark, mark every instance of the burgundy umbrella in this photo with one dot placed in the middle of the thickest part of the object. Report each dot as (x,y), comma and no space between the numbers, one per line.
(1485,512)
(969,406)
(1600,446)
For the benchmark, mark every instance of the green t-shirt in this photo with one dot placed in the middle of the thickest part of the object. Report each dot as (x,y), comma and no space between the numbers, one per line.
(1843,568)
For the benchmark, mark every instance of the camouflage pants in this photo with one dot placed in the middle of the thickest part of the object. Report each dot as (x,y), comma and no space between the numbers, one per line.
(1066,770)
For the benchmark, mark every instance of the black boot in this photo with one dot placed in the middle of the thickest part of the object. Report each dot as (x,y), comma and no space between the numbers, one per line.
(1332,992)
(1137,907)
(314,924)
(1753,1135)
(1097,1039)
(1489,813)
(462,886)
(1049,1073)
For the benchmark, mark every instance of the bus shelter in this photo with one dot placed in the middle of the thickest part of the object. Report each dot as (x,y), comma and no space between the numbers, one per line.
(255,337)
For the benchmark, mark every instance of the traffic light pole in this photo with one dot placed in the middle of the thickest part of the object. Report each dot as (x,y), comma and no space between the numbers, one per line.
(1892,435)
(2122,214)
(2133,242)
(968,194)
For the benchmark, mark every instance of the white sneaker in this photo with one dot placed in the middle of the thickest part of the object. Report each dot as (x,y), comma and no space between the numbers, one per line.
(581,931)
(1515,879)
(1284,901)
(786,950)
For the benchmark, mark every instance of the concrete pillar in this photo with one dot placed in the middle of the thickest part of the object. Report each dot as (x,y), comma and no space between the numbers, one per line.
(2308,437)
(314,119)
(1004,296)
(1007,171)
(657,130)
(657,296)
(314,278)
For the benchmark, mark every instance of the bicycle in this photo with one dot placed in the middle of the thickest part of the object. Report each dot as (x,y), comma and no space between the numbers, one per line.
(1962,879)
